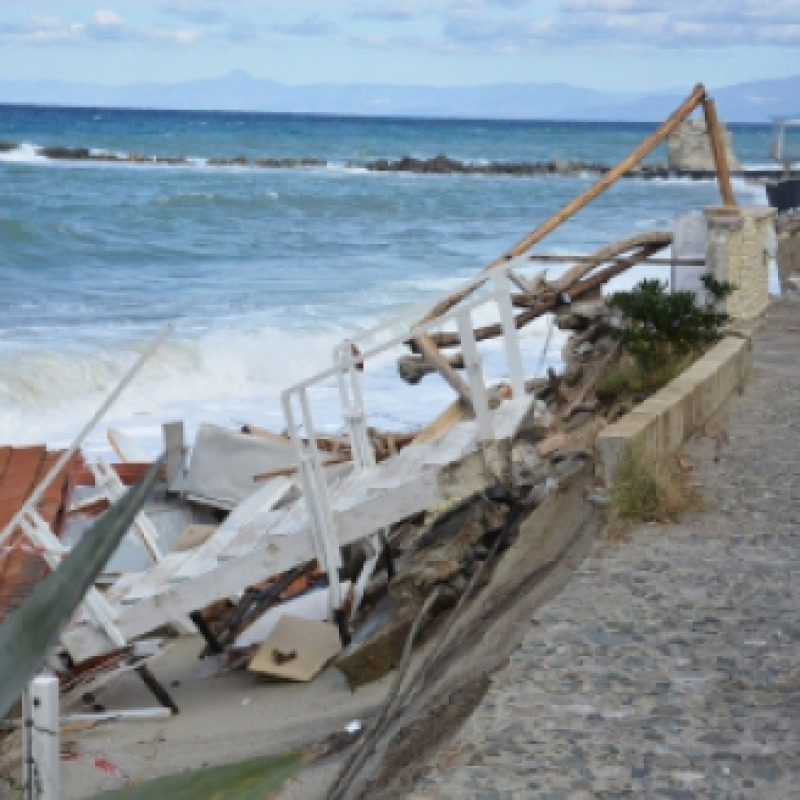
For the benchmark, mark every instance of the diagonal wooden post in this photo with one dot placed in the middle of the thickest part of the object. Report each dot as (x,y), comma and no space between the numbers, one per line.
(718,151)
(426,344)
(612,176)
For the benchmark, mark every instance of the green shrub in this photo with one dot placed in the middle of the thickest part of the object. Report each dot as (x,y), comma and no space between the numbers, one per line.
(658,326)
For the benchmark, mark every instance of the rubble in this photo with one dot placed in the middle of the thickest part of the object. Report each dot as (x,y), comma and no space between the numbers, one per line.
(287,550)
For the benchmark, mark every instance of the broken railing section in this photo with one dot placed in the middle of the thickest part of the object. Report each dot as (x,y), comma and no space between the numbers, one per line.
(698,97)
(348,360)
(537,298)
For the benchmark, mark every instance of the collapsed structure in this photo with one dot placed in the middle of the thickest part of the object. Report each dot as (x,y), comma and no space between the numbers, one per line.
(264,526)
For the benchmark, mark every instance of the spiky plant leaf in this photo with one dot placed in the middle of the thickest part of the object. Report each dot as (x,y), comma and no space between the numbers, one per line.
(32,629)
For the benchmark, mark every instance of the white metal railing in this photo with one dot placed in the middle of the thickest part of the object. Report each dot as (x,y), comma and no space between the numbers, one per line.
(345,369)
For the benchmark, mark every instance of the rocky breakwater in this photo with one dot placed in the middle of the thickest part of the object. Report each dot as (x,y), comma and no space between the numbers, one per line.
(437,165)
(443,164)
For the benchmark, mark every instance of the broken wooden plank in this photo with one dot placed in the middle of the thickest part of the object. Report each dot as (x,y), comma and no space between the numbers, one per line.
(456,412)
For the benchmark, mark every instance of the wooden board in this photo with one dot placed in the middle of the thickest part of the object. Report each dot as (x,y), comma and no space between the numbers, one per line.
(193,536)
(455,412)
(309,646)
(126,449)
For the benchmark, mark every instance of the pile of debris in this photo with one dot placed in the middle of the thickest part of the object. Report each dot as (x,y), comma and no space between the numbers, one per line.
(286,552)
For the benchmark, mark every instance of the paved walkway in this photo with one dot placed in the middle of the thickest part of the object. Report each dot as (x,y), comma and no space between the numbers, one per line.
(670,665)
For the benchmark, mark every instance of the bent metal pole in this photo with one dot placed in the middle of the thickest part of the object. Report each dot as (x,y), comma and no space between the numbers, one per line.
(33,501)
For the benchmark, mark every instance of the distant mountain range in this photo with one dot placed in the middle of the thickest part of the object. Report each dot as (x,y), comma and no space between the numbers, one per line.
(745,102)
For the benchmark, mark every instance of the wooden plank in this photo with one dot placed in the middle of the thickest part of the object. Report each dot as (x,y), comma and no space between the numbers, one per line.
(193,536)
(264,499)
(277,555)
(555,258)
(428,349)
(361,505)
(126,449)
(297,650)
(456,412)
(718,151)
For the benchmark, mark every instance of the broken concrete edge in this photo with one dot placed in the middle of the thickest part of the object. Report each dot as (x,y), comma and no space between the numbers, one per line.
(663,422)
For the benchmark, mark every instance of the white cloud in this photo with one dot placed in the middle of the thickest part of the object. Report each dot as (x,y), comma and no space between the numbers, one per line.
(110,18)
(105,26)
(453,26)
(666,24)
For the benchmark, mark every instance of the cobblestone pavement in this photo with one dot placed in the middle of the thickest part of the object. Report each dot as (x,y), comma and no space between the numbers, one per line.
(669,667)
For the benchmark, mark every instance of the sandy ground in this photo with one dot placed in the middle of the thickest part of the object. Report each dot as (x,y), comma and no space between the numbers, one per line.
(225,718)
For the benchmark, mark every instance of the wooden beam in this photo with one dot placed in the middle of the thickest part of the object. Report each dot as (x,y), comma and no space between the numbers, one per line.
(718,151)
(610,251)
(631,160)
(542,305)
(431,352)
(555,258)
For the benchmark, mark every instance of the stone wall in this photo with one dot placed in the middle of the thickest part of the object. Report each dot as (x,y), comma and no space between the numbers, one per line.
(737,250)
(689,148)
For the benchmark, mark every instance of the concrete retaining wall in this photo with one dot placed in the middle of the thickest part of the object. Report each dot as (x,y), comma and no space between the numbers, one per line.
(663,422)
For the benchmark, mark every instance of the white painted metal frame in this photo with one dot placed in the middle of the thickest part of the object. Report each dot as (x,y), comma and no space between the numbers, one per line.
(38,493)
(36,529)
(477,385)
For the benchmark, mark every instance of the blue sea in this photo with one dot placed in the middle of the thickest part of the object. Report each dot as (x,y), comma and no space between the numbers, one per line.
(262,271)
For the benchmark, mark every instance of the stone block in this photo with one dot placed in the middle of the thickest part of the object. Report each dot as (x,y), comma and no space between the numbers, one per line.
(737,251)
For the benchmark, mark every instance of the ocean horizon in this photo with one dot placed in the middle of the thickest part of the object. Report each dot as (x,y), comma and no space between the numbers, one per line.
(263,271)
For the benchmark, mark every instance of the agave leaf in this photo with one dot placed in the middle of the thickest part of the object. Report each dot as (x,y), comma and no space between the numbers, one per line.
(33,628)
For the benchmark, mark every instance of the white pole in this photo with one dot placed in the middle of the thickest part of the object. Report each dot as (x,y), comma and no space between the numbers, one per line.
(472,363)
(42,778)
(516,373)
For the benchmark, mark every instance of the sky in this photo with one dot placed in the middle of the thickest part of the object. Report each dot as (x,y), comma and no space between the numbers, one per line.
(625,45)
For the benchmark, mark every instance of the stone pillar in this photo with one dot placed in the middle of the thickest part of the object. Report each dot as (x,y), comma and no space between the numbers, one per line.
(689,148)
(737,250)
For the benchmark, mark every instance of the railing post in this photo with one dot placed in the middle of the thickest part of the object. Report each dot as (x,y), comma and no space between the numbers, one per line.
(516,373)
(472,363)
(42,745)
(363,452)
(315,492)
(352,400)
